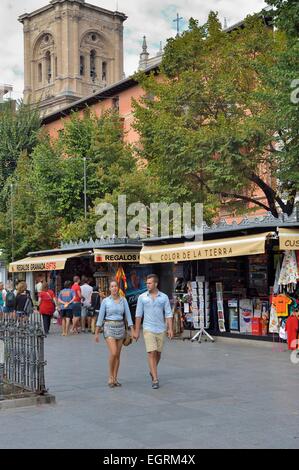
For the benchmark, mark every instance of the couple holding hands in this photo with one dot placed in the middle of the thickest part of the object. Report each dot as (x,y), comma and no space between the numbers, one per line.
(154,307)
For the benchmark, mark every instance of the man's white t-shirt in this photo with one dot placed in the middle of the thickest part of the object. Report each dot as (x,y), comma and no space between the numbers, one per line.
(86,291)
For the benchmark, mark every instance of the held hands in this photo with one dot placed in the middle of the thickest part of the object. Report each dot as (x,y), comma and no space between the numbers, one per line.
(170,334)
(136,335)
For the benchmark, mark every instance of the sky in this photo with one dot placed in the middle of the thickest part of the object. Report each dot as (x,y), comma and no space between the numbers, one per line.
(152,18)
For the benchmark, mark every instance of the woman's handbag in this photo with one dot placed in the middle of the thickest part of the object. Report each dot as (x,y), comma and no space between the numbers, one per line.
(128,338)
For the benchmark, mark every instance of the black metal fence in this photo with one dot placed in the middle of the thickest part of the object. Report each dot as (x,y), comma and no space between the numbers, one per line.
(22,361)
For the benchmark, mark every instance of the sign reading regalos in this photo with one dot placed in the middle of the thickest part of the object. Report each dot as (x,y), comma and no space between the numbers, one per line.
(116,257)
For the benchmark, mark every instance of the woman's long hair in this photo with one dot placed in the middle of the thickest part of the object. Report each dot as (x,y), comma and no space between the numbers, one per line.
(21,287)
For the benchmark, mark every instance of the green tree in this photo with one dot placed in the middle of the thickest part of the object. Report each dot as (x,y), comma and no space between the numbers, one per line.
(18,133)
(26,225)
(208,133)
(283,92)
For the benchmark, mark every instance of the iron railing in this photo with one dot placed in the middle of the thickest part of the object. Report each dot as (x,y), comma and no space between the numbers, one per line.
(23,364)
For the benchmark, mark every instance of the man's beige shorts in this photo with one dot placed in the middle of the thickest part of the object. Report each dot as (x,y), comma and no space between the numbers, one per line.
(153,341)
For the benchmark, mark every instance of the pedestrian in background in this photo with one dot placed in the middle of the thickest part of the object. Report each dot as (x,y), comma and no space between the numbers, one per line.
(77,305)
(2,298)
(86,291)
(10,299)
(24,303)
(65,301)
(47,306)
(93,311)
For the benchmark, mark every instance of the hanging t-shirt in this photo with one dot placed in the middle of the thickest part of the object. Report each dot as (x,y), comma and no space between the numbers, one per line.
(281,303)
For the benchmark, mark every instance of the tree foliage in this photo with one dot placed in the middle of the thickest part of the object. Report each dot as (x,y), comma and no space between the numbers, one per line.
(208,133)
(18,133)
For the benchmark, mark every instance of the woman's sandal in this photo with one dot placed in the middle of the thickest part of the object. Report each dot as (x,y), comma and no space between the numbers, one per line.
(111,383)
(117,384)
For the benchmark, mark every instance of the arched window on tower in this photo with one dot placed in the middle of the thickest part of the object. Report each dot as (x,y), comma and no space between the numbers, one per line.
(40,72)
(48,66)
(82,68)
(93,72)
(104,71)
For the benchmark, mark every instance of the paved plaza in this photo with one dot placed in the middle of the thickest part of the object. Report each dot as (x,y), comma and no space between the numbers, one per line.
(230,394)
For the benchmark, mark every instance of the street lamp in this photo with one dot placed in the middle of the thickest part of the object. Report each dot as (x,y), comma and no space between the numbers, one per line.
(85,189)
(12,222)
(12,227)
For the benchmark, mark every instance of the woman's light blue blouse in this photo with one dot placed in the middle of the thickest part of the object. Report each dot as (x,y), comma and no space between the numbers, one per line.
(111,310)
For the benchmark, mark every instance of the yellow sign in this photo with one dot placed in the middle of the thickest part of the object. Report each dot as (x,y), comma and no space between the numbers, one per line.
(44,263)
(107,256)
(223,248)
(288,239)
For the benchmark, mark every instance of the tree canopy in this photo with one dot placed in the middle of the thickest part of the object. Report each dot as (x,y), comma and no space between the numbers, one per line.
(210,130)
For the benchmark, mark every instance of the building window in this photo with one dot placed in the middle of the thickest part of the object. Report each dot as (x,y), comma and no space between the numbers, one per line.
(104,71)
(56,67)
(48,66)
(40,73)
(93,72)
(82,65)
(115,104)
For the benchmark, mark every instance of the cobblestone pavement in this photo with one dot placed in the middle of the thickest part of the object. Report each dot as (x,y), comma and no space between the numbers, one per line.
(224,395)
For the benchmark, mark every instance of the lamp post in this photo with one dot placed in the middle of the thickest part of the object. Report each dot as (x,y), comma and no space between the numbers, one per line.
(12,222)
(85,189)
(12,227)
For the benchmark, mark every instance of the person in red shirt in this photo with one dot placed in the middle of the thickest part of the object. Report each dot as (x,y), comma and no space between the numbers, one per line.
(47,306)
(292,327)
(77,305)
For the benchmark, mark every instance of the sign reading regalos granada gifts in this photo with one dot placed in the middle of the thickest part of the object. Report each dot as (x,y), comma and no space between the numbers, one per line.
(117,257)
(223,248)
(32,267)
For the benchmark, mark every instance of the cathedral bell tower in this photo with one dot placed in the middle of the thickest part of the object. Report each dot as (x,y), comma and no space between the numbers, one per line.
(71,50)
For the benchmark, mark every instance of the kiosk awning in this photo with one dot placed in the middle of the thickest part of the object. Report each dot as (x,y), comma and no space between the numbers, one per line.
(42,263)
(223,248)
(112,256)
(289,239)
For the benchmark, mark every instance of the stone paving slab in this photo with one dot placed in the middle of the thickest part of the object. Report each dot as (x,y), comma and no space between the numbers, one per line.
(222,395)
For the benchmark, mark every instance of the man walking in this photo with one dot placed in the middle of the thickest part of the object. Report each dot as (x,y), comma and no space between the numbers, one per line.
(86,291)
(154,306)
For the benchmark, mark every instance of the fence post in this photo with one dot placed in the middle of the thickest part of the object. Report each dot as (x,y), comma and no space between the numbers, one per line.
(2,361)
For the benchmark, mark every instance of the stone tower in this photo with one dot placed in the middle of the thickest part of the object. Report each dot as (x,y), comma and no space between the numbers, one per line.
(72,49)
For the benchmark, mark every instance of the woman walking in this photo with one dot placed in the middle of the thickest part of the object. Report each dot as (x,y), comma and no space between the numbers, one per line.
(113,312)
(47,306)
